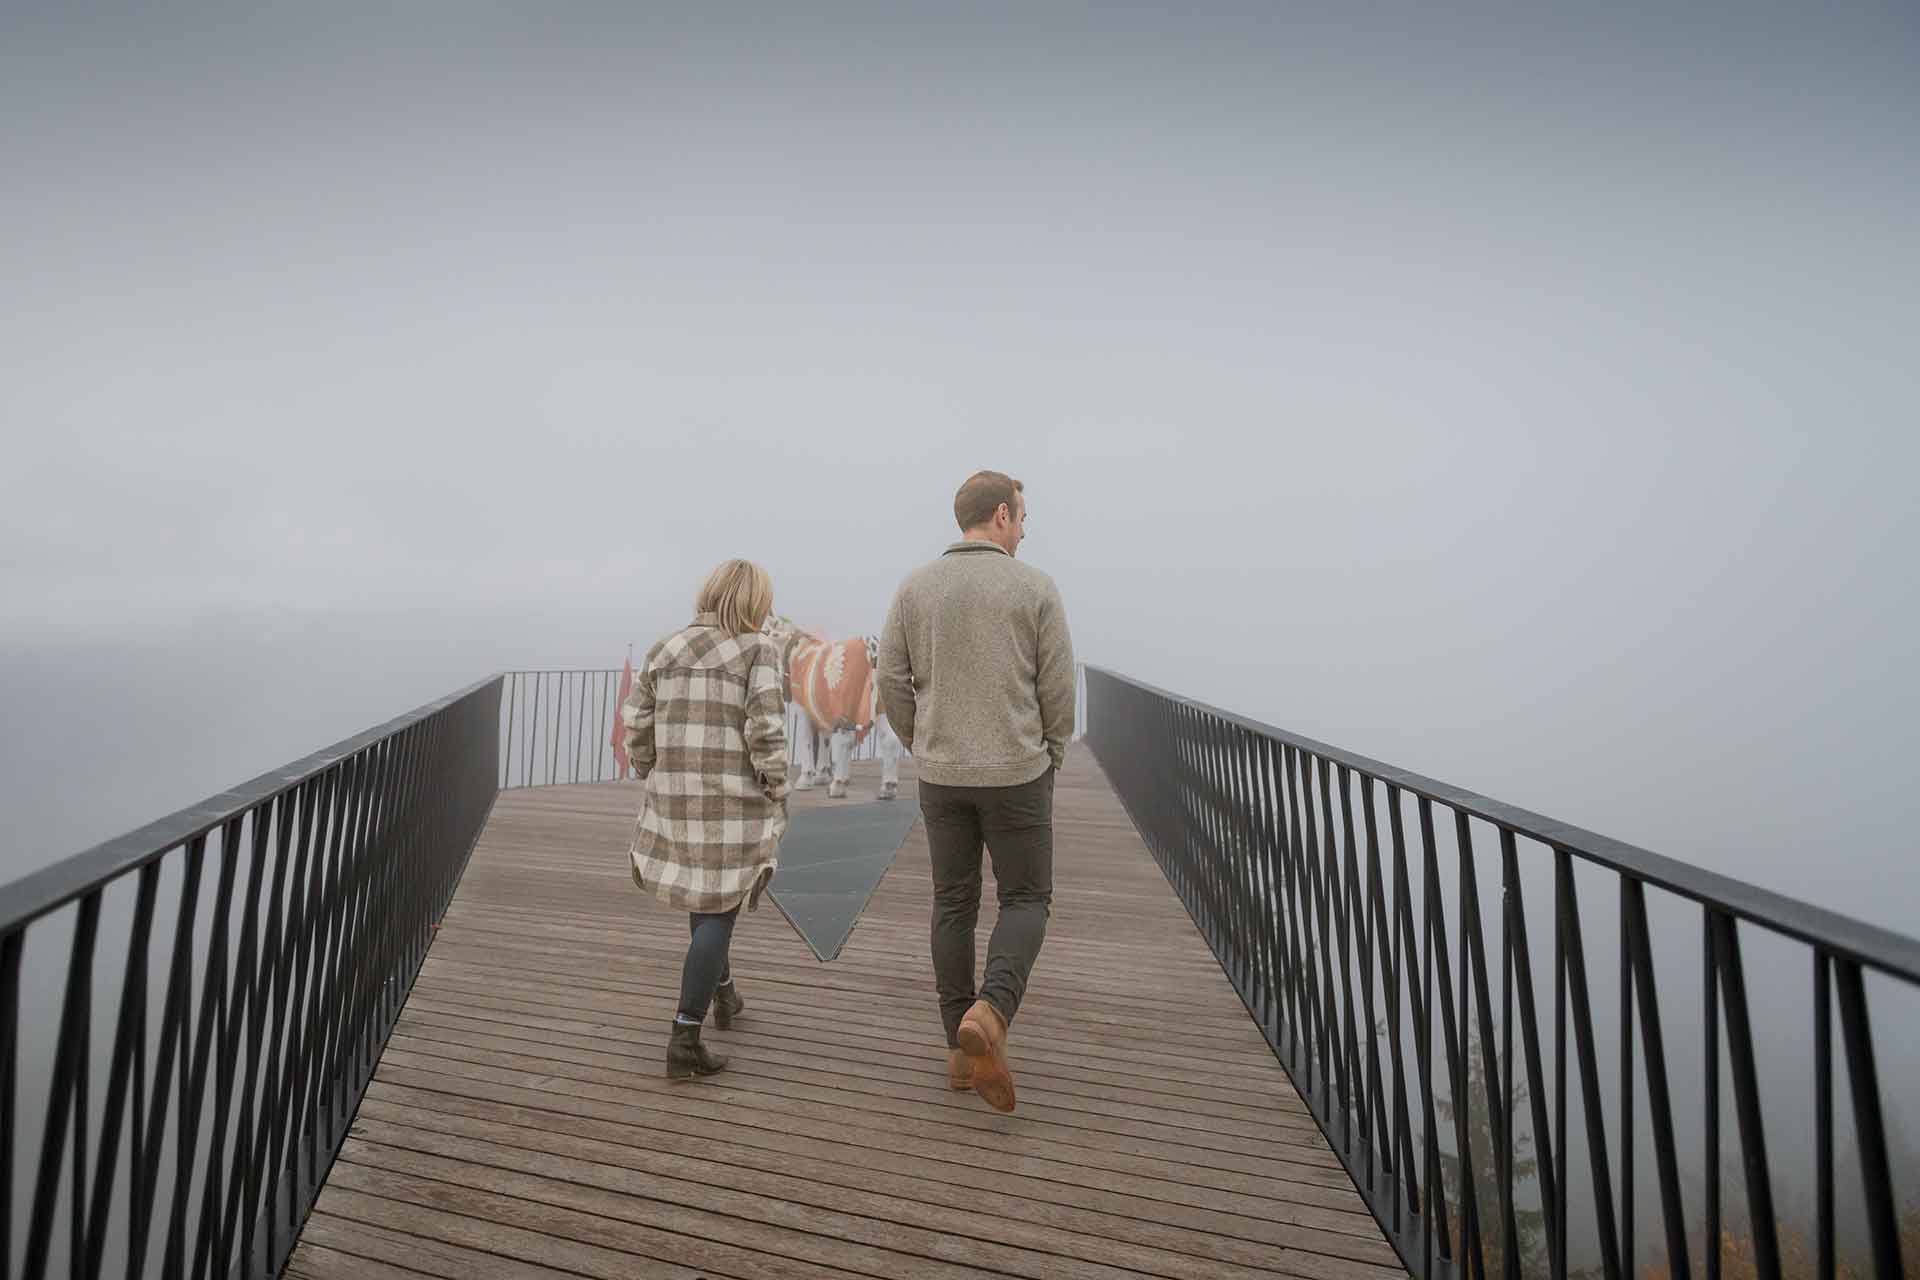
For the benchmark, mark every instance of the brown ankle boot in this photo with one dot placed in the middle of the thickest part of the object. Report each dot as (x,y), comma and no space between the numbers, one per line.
(687,1057)
(727,1005)
(983,1037)
(959,1071)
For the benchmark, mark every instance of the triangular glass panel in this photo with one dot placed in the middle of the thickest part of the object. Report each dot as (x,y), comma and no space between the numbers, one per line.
(831,861)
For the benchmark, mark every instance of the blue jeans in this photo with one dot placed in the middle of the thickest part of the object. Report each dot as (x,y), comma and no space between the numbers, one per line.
(706,966)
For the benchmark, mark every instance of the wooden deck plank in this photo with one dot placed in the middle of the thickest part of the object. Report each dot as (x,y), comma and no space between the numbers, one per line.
(895,1074)
(774,1063)
(863,1142)
(907,1062)
(318,1262)
(1075,1056)
(1248,1242)
(561,1111)
(684,1173)
(354,1246)
(520,1122)
(775,1104)
(868,1018)
(773,1210)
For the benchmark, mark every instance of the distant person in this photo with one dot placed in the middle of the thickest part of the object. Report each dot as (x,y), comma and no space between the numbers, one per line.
(841,747)
(887,747)
(800,747)
(976,677)
(706,731)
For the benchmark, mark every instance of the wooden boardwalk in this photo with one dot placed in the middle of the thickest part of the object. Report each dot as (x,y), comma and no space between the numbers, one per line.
(520,1123)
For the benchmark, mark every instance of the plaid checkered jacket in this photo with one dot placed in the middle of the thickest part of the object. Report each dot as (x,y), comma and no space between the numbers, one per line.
(706,730)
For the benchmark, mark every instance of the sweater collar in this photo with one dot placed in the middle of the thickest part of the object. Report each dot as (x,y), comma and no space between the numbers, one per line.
(973,547)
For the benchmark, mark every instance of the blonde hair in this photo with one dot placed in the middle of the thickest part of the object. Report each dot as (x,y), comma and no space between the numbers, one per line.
(981,496)
(741,593)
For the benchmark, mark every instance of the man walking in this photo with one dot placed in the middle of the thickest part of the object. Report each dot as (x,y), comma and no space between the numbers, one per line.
(976,677)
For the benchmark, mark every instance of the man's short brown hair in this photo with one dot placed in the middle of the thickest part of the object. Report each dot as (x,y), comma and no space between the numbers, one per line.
(982,495)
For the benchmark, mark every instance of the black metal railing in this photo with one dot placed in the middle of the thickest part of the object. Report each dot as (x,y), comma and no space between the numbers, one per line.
(189,1013)
(1316,876)
(557,727)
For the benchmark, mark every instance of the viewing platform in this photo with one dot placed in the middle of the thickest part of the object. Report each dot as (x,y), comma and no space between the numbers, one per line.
(520,1123)
(397,1009)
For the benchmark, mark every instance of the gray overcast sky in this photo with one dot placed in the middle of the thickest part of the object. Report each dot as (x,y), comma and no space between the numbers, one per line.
(1527,399)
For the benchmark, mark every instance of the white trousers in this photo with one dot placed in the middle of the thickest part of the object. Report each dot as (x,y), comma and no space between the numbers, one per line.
(842,748)
(890,751)
(801,763)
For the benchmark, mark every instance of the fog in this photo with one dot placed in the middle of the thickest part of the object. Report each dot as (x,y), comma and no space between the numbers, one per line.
(1529,401)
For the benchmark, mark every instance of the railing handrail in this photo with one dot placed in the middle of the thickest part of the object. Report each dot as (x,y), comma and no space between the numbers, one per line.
(37,893)
(254,996)
(1869,944)
(1297,907)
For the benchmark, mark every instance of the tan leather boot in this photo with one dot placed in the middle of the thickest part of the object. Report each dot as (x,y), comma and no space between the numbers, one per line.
(959,1071)
(983,1037)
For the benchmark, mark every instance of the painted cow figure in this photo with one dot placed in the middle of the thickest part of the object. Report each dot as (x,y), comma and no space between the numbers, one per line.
(832,704)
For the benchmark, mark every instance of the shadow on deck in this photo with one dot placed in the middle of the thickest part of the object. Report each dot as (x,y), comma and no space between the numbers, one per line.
(519,1123)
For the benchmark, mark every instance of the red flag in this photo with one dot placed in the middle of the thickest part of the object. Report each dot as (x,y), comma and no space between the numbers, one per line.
(619,721)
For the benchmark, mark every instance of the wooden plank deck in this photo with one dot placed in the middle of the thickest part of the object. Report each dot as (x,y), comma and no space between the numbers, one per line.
(520,1123)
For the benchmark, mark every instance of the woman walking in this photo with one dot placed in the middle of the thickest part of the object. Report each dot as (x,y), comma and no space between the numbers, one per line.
(706,731)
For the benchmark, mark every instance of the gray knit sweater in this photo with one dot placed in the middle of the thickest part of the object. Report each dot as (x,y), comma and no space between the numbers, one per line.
(976,669)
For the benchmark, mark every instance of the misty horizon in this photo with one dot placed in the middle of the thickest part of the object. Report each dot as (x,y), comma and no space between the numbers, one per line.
(1527,403)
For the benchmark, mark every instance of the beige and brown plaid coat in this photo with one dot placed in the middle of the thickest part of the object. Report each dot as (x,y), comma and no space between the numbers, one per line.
(706,730)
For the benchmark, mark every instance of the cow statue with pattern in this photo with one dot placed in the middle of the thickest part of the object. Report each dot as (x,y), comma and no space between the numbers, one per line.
(832,705)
